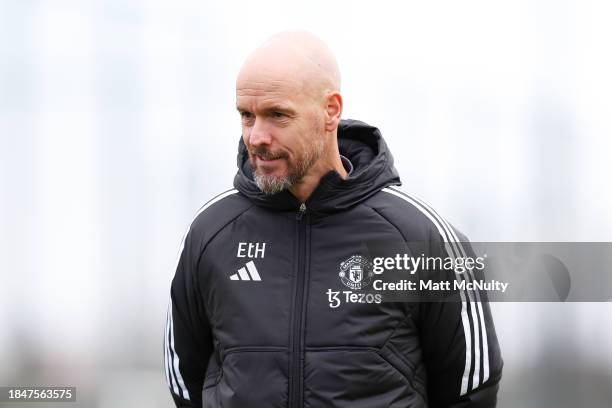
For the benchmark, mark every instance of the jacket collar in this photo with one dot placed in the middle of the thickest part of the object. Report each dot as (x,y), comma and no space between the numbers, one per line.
(362,144)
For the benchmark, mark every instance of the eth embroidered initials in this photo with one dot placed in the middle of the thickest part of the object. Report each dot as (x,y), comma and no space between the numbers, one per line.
(251,250)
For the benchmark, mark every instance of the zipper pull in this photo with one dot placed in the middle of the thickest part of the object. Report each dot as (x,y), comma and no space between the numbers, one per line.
(301,211)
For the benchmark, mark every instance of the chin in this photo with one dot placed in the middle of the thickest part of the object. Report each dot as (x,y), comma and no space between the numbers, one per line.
(274,175)
(273,170)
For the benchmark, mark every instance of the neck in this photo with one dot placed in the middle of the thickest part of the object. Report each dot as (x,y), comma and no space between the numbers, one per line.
(304,188)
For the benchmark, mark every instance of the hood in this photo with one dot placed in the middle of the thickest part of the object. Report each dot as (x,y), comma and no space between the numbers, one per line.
(373,170)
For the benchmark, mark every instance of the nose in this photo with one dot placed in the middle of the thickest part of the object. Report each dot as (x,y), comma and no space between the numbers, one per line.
(259,134)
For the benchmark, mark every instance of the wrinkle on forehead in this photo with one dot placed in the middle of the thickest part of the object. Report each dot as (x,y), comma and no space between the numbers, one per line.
(259,84)
(290,61)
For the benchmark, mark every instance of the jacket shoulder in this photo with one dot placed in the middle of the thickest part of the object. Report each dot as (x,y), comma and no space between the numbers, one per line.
(215,214)
(413,217)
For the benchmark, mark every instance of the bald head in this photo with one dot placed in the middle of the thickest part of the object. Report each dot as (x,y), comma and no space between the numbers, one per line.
(296,58)
(288,97)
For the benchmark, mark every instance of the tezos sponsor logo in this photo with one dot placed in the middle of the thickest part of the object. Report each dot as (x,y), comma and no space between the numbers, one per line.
(334,297)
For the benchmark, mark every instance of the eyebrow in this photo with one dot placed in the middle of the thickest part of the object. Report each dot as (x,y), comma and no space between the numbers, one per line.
(272,108)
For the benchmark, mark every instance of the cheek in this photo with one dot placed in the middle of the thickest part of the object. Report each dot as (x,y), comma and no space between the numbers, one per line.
(315,122)
(315,129)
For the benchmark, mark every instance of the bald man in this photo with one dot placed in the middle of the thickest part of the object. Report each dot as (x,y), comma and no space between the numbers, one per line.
(275,301)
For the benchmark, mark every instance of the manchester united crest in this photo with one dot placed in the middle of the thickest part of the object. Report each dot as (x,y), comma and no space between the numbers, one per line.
(356,272)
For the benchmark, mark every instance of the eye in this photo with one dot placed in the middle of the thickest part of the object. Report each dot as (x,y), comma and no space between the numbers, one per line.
(246,117)
(278,115)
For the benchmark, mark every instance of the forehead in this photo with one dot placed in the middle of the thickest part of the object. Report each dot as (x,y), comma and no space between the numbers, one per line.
(265,89)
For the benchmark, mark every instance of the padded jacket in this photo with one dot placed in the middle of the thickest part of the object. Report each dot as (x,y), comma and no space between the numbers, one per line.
(269,303)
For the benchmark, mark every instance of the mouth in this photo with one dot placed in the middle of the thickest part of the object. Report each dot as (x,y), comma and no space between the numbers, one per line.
(266,160)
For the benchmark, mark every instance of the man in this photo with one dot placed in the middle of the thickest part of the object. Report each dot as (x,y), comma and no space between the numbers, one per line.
(266,307)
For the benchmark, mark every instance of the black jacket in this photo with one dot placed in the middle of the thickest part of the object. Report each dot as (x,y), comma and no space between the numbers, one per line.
(251,322)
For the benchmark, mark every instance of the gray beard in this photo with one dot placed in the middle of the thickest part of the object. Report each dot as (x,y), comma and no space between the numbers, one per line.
(270,185)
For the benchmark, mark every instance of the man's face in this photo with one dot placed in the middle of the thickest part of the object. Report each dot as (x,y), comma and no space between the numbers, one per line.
(282,128)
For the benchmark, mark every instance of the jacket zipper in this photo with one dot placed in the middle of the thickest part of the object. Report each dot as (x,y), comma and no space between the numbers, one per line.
(297,346)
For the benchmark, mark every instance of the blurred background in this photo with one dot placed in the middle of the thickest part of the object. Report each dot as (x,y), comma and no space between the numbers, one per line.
(117,122)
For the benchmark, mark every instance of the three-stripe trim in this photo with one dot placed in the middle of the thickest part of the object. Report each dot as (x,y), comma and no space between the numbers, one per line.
(174,377)
(476,324)
(173,374)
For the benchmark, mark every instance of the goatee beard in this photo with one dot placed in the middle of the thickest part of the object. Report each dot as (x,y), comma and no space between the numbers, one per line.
(270,184)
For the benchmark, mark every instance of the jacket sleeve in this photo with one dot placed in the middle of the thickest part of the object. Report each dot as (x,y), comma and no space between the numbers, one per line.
(188,340)
(460,348)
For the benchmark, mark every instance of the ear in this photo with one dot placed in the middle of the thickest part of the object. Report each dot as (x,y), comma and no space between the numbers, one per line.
(333,110)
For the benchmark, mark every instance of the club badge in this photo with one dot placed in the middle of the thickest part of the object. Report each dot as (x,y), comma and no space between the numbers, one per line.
(356,272)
